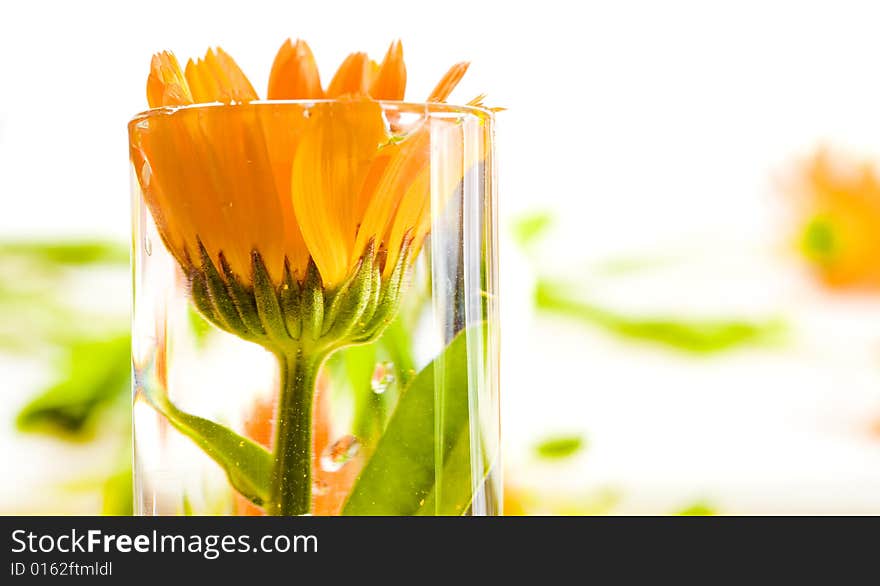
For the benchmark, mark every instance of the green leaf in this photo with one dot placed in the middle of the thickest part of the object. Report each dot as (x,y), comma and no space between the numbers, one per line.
(32,273)
(698,509)
(186,506)
(397,342)
(117,494)
(359,363)
(399,478)
(247,464)
(531,228)
(356,365)
(698,336)
(560,447)
(97,372)
(68,253)
(456,489)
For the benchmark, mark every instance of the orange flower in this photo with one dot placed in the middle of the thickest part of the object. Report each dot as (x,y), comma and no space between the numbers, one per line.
(293,182)
(840,201)
(295,222)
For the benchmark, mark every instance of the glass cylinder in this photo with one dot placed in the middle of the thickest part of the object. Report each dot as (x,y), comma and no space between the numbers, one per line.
(315,312)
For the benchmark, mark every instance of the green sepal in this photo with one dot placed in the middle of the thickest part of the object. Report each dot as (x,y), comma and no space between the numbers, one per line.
(280,317)
(202,299)
(225,308)
(290,301)
(243,298)
(312,303)
(353,303)
(337,298)
(247,464)
(389,299)
(373,301)
(266,299)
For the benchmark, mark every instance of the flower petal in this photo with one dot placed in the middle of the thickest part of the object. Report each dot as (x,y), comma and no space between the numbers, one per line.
(332,160)
(294,73)
(163,154)
(352,77)
(448,82)
(244,192)
(390,81)
(412,220)
(166,85)
(207,178)
(282,126)
(217,78)
(400,164)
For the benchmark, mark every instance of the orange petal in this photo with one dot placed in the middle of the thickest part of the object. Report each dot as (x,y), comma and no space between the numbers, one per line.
(331,162)
(244,191)
(208,179)
(294,74)
(218,78)
(412,220)
(166,85)
(448,82)
(205,87)
(282,125)
(401,164)
(352,77)
(390,80)
(162,152)
(422,187)
(426,173)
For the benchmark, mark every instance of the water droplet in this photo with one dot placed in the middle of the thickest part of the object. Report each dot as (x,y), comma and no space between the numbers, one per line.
(319,488)
(383,376)
(148,245)
(306,114)
(336,455)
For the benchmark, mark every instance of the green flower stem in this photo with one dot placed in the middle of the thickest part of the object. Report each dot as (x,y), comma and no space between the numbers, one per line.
(292,475)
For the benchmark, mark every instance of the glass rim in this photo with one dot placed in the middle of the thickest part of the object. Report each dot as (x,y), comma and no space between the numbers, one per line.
(399,105)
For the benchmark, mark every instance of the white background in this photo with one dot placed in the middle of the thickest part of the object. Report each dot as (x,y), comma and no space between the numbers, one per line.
(647,127)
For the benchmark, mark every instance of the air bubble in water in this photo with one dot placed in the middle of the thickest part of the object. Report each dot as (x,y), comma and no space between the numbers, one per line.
(338,454)
(383,376)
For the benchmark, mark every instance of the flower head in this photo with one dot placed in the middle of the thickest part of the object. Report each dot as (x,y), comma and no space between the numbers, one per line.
(332,196)
(839,199)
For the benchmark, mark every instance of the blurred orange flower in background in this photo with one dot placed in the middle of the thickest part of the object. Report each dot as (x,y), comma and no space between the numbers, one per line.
(839,200)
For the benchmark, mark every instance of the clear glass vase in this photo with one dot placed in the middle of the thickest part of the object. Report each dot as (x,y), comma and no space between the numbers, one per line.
(315,313)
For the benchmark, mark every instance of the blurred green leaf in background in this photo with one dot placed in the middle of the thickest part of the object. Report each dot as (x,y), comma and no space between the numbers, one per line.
(698,509)
(694,335)
(560,447)
(56,309)
(94,374)
(683,333)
